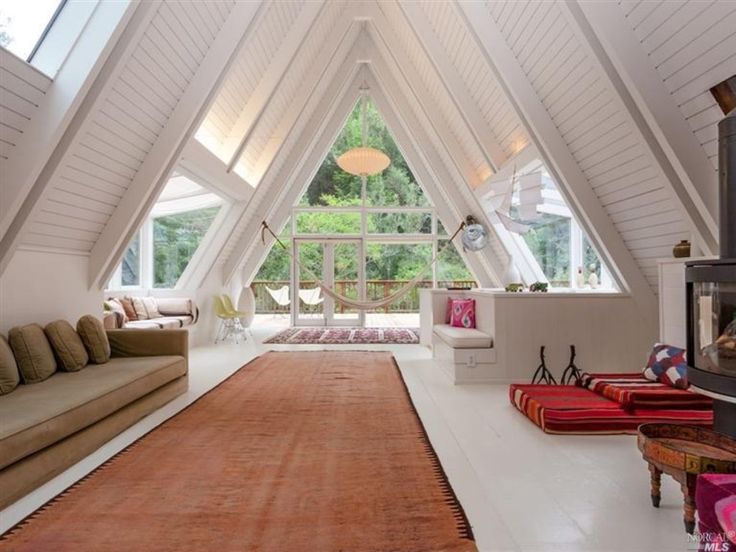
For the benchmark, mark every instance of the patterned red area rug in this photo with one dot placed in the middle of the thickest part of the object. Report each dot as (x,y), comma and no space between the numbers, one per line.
(309,451)
(345,336)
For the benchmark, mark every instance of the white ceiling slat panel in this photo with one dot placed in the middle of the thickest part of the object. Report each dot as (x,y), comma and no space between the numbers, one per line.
(249,68)
(23,89)
(692,46)
(480,83)
(126,124)
(268,132)
(595,128)
(432,82)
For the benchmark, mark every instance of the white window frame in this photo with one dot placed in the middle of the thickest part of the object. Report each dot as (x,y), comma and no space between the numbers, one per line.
(147,247)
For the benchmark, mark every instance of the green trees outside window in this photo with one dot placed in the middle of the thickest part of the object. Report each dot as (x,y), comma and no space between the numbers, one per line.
(175,239)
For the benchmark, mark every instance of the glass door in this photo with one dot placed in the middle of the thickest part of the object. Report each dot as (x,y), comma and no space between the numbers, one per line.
(338,263)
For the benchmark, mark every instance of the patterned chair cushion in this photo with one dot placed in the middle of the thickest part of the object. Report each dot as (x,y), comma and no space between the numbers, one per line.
(668,365)
(463,313)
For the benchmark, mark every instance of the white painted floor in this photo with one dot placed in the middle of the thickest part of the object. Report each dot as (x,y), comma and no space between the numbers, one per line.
(523,490)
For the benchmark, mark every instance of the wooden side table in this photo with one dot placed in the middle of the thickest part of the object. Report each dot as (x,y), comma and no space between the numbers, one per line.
(683,452)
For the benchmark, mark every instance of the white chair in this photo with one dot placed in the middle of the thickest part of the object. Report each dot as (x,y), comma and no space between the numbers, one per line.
(281,296)
(311,296)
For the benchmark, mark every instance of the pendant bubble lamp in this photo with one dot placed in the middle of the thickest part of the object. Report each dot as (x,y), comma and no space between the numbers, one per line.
(363,161)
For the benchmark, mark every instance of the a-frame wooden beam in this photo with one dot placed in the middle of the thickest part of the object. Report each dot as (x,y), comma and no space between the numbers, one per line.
(302,174)
(237,141)
(574,186)
(165,152)
(275,183)
(416,19)
(200,163)
(384,38)
(63,119)
(692,178)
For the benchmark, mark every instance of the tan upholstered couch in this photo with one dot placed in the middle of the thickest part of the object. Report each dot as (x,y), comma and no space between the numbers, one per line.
(48,426)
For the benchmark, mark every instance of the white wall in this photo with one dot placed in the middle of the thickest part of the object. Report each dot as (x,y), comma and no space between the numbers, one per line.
(44,286)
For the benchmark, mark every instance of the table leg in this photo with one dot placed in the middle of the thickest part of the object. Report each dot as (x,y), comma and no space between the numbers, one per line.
(655,485)
(688,494)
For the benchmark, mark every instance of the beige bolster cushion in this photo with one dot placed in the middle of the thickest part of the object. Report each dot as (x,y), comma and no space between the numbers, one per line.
(9,376)
(94,337)
(67,346)
(175,306)
(32,352)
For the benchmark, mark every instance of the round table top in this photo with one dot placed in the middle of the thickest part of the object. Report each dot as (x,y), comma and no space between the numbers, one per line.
(693,448)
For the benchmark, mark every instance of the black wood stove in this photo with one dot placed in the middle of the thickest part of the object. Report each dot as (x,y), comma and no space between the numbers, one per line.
(711,299)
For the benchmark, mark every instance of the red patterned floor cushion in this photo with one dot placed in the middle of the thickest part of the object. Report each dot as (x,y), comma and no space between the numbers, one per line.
(575,410)
(635,391)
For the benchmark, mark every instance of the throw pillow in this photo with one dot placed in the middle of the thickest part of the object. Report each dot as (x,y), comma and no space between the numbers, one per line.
(113,304)
(94,337)
(463,313)
(151,307)
(667,364)
(9,376)
(140,308)
(67,346)
(128,307)
(32,352)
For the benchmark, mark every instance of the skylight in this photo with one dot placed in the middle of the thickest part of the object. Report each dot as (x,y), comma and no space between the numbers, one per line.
(23,24)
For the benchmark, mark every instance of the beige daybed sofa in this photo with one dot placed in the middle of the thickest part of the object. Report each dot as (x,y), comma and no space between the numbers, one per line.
(48,426)
(150,313)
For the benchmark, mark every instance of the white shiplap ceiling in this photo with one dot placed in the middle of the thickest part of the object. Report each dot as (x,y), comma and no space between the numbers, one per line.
(551,83)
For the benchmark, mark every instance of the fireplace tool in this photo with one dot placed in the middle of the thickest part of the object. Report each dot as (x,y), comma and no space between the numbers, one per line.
(572,373)
(543,375)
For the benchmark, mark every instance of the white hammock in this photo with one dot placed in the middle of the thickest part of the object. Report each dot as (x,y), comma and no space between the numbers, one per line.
(355,303)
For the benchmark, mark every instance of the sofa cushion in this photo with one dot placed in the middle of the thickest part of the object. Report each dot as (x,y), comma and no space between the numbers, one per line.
(32,353)
(36,416)
(93,336)
(143,325)
(114,305)
(128,307)
(186,320)
(463,338)
(164,322)
(140,308)
(9,376)
(151,307)
(67,345)
(174,306)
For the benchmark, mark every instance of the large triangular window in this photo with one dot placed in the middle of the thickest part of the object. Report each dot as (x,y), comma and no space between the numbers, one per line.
(389,215)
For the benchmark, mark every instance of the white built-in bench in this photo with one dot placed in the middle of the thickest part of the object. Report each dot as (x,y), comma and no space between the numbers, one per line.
(467,355)
(606,328)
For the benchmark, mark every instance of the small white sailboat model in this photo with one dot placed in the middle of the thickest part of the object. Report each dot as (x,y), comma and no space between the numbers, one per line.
(500,201)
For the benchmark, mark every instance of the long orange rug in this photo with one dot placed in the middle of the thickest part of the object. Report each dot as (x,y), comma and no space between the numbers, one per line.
(307,451)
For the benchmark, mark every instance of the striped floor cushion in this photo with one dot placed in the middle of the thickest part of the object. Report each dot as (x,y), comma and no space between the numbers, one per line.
(561,409)
(635,391)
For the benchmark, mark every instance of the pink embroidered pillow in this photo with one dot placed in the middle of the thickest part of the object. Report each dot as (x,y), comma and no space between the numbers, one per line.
(463,313)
